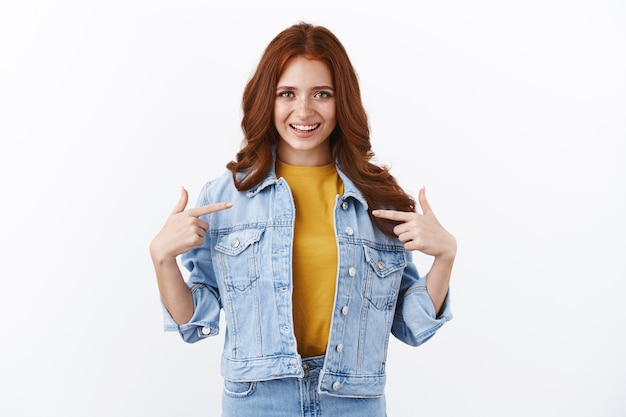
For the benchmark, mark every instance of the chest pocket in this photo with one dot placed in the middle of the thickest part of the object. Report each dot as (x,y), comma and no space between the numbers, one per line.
(385,269)
(239,257)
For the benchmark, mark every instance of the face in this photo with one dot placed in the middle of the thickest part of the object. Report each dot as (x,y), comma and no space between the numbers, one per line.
(304,112)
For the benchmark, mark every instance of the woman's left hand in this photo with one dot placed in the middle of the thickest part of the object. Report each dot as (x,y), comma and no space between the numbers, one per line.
(421,232)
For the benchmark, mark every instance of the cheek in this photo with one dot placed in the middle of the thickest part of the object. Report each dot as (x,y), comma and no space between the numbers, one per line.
(331,116)
(279,114)
(330,111)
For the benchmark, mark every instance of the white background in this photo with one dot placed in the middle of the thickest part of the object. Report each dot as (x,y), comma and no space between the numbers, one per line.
(513,114)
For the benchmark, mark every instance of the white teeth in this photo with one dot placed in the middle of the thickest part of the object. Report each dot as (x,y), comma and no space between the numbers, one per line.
(303,127)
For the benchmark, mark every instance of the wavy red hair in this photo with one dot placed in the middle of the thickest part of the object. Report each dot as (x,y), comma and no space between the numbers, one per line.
(349,142)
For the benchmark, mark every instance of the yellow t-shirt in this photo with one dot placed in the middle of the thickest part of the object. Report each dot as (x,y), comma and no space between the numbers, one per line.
(314,191)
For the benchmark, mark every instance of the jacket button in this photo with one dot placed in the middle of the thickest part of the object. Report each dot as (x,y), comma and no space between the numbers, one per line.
(206,330)
(344,205)
(349,231)
(336,385)
(381,264)
(352,271)
(235,243)
(339,347)
(344,310)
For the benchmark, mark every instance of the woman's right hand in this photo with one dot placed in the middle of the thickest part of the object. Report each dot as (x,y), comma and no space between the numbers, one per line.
(183,229)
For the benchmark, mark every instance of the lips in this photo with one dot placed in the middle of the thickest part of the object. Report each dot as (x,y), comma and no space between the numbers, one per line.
(304,128)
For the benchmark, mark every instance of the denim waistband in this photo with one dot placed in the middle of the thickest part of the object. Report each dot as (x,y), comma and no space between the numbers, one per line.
(312,366)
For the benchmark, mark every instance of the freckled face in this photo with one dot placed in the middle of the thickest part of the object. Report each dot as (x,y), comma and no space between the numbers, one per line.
(304,112)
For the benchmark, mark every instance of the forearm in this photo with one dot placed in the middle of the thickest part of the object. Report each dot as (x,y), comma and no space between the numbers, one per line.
(438,280)
(183,230)
(175,293)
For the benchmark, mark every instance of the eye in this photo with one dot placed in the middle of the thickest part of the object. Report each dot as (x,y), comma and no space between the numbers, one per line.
(286,94)
(323,94)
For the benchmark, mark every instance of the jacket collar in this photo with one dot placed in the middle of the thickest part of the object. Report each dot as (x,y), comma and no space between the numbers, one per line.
(349,189)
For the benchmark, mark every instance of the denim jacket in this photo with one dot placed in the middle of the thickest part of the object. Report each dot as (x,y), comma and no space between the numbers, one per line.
(244,267)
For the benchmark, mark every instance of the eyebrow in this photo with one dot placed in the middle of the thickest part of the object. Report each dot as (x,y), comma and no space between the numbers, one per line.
(317,87)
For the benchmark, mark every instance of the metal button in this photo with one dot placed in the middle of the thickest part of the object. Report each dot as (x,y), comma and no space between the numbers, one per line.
(206,330)
(381,264)
(344,205)
(336,385)
(306,367)
(352,271)
(349,231)
(344,310)
(235,243)
(339,347)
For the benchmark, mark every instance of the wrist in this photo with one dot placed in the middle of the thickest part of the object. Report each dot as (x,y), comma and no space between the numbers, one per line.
(449,254)
(160,257)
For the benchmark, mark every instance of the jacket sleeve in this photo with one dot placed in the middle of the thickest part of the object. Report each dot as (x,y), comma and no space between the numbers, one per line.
(415,320)
(205,292)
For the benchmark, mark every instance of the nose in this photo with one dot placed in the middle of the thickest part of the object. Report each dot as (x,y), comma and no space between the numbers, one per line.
(304,107)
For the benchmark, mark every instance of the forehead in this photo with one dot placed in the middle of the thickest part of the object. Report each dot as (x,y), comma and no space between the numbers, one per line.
(300,69)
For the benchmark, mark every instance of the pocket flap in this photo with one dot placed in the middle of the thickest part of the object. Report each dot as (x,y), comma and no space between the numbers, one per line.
(384,262)
(237,241)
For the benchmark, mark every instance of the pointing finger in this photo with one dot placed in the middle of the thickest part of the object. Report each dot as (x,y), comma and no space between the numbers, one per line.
(209,208)
(399,216)
(182,202)
(423,202)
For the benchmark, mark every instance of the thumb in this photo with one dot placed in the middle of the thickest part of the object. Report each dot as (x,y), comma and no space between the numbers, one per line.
(423,202)
(182,202)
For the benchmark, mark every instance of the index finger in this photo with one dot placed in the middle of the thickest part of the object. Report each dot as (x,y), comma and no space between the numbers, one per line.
(209,208)
(399,216)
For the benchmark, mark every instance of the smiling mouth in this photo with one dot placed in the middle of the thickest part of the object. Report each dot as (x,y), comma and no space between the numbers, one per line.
(305,128)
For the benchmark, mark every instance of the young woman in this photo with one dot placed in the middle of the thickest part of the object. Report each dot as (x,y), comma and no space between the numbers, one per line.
(306,246)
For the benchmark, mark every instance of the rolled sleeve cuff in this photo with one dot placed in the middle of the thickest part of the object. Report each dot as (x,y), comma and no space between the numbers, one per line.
(415,320)
(205,320)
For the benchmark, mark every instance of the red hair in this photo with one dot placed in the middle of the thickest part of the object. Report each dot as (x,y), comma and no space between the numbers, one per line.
(349,142)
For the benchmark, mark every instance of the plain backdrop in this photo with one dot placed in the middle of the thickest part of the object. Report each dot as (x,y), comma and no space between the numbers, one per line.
(512,114)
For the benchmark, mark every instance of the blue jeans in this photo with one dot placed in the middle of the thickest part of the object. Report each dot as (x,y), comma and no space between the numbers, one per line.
(294,397)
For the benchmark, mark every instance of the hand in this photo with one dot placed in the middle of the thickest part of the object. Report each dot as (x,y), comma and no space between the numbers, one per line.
(421,232)
(183,229)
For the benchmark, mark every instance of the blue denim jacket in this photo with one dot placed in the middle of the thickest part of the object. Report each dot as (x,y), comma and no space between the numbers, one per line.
(244,267)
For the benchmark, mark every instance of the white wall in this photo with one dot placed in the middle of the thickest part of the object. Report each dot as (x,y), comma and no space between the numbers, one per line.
(513,114)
